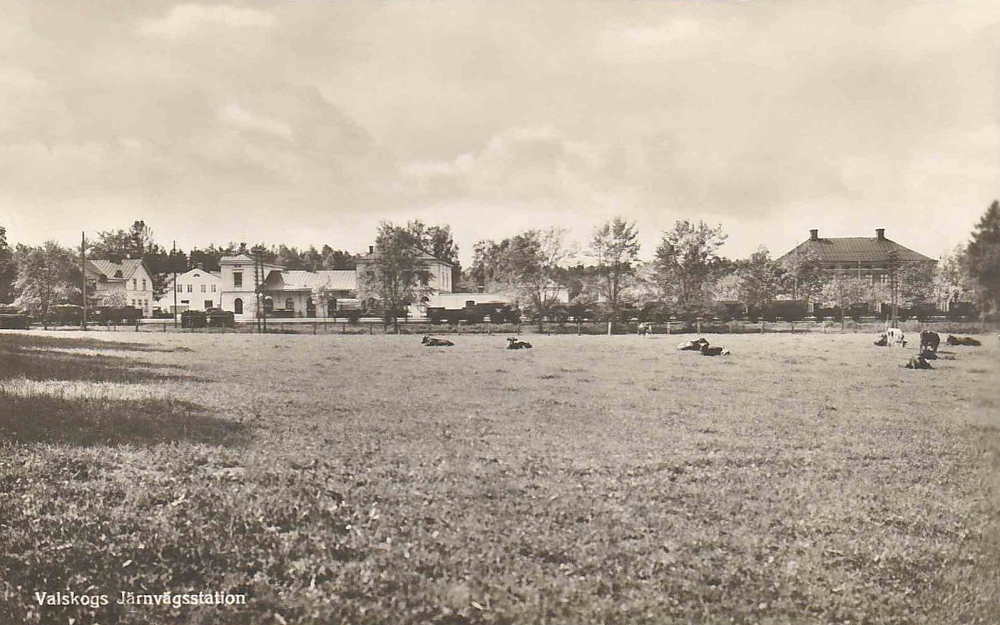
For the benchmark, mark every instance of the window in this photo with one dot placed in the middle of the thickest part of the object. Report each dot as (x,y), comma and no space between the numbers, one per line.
(133,303)
(203,288)
(238,279)
(208,303)
(180,288)
(268,304)
(190,288)
(135,284)
(238,306)
(289,304)
(213,288)
(143,284)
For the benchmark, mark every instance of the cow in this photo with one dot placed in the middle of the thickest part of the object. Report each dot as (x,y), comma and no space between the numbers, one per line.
(692,346)
(713,351)
(918,362)
(929,341)
(895,337)
(513,343)
(967,341)
(882,341)
(645,329)
(928,353)
(429,341)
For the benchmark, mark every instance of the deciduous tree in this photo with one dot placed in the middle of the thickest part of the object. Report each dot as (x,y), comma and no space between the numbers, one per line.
(46,276)
(615,247)
(395,274)
(8,269)
(686,265)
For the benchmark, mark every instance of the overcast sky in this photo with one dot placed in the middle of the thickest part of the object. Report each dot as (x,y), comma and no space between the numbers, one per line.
(309,122)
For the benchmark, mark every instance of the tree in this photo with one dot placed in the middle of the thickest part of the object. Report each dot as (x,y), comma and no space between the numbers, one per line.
(760,279)
(396,274)
(951,281)
(336,259)
(615,247)
(528,266)
(114,299)
(803,277)
(686,265)
(438,242)
(46,276)
(983,257)
(8,269)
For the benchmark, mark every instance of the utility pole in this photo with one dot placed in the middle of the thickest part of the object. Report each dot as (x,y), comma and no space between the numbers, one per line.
(173,264)
(83,266)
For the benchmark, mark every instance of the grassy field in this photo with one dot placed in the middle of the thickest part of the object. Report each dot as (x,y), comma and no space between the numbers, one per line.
(366,479)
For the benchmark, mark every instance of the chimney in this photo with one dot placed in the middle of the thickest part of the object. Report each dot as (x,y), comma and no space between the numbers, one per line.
(880,234)
(814,235)
(371,249)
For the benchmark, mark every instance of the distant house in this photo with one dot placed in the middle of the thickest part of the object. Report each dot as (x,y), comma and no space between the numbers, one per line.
(439,270)
(239,277)
(196,289)
(862,257)
(130,276)
(298,293)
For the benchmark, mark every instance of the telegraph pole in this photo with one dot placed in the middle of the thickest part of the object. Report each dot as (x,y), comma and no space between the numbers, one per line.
(83,289)
(173,264)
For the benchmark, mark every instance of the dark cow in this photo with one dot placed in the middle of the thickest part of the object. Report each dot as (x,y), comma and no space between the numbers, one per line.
(513,343)
(967,341)
(918,362)
(713,351)
(430,341)
(693,346)
(929,341)
(928,353)
(882,341)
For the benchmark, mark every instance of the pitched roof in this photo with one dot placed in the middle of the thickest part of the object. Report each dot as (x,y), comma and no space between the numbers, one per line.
(856,249)
(127,267)
(296,280)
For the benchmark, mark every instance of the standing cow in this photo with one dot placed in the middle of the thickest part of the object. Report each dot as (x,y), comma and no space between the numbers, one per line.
(929,341)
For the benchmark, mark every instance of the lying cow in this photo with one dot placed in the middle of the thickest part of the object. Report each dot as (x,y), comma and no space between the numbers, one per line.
(967,341)
(430,341)
(918,362)
(713,351)
(882,341)
(692,346)
(928,353)
(513,343)
(929,341)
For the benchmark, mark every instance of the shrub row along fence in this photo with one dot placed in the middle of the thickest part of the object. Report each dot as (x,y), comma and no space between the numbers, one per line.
(372,327)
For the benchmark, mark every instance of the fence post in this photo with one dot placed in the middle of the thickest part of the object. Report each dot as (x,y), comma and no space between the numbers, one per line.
(314,328)
(371,329)
(698,325)
(578,328)
(609,328)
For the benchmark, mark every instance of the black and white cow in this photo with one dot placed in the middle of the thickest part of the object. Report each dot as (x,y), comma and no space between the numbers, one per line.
(929,341)
(918,362)
(692,346)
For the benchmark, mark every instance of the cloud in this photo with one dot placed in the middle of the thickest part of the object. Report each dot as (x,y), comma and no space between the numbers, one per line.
(186,19)
(235,115)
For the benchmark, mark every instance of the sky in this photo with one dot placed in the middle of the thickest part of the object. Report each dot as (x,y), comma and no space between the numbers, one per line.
(310,122)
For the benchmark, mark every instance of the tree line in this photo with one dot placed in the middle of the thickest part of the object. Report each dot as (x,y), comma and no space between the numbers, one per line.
(686,275)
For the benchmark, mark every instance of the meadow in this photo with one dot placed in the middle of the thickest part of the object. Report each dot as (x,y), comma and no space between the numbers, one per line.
(804,479)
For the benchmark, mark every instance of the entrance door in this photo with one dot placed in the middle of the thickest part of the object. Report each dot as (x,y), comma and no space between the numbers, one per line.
(238,306)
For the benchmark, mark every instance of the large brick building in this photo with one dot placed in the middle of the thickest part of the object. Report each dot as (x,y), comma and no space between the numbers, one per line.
(862,257)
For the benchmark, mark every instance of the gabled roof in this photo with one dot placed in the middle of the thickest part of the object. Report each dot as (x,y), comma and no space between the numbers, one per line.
(298,280)
(110,270)
(856,249)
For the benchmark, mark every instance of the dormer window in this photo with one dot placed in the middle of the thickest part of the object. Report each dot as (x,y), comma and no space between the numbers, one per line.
(118,274)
